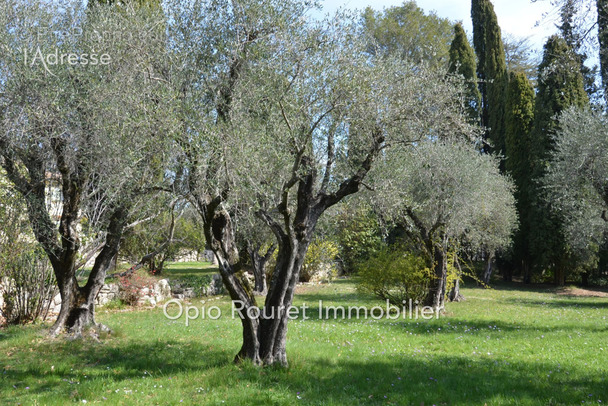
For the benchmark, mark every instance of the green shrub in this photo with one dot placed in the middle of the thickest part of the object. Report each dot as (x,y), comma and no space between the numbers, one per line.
(320,258)
(359,237)
(395,275)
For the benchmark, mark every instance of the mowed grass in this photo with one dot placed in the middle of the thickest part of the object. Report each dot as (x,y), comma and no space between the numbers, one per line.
(500,347)
(186,269)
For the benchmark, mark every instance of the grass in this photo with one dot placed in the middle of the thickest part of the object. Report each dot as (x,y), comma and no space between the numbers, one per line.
(504,346)
(186,269)
(174,271)
(194,275)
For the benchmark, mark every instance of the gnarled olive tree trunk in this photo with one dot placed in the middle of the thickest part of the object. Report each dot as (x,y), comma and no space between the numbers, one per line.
(273,330)
(264,337)
(61,242)
(78,302)
(434,243)
(219,233)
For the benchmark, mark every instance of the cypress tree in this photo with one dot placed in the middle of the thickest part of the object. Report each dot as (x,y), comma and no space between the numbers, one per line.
(560,85)
(602,35)
(491,71)
(567,26)
(519,118)
(462,62)
(574,38)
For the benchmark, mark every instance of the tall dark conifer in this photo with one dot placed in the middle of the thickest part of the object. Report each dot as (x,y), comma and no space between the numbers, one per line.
(462,62)
(491,71)
(602,23)
(519,118)
(574,38)
(560,85)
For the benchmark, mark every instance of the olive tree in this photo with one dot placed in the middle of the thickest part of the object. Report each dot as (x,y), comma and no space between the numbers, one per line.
(214,45)
(446,194)
(576,179)
(80,114)
(285,117)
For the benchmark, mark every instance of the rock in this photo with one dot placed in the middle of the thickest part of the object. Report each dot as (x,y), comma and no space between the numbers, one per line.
(54,306)
(162,290)
(5,284)
(214,287)
(107,293)
(218,284)
(250,278)
(187,256)
(146,300)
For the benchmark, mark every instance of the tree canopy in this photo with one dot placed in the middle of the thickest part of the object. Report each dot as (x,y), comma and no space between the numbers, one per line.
(406,31)
(576,178)
(91,133)
(560,86)
(447,195)
(519,118)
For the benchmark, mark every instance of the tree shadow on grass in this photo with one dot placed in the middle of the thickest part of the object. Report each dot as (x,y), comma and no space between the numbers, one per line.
(501,285)
(343,298)
(111,362)
(409,380)
(453,327)
(574,303)
(402,379)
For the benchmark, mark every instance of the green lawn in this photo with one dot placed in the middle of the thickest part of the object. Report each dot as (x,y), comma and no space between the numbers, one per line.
(186,269)
(499,347)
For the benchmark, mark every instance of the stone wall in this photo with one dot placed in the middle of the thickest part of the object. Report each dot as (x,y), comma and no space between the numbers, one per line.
(194,256)
(159,292)
(107,293)
(187,256)
(150,297)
